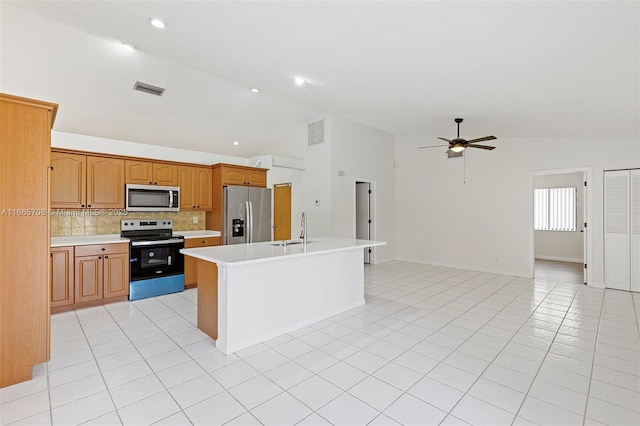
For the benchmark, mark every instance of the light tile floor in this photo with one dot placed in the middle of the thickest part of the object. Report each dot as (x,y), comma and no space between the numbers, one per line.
(432,345)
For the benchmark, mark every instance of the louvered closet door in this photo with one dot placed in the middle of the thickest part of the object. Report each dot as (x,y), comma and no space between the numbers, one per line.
(616,230)
(635,230)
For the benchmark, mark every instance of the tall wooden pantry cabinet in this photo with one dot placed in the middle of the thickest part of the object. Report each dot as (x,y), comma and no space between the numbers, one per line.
(25,129)
(622,229)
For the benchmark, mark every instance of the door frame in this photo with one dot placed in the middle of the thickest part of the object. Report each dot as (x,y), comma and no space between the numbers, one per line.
(587,173)
(372,212)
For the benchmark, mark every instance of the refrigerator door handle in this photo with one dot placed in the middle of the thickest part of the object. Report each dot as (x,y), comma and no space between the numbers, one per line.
(247,223)
(250,221)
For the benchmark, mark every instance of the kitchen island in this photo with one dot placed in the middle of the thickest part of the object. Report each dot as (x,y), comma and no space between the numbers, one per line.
(249,293)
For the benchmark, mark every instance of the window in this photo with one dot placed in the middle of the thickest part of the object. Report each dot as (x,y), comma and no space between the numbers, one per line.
(554,209)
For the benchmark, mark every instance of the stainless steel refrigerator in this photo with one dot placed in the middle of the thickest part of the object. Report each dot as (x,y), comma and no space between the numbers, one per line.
(246,215)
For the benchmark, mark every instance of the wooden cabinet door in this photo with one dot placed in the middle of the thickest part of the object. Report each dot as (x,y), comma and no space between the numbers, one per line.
(233,176)
(138,172)
(256,178)
(61,276)
(204,194)
(191,263)
(165,174)
(186,181)
(105,183)
(88,278)
(116,275)
(68,180)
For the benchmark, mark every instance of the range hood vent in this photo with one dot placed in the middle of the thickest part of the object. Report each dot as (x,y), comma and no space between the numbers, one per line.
(148,88)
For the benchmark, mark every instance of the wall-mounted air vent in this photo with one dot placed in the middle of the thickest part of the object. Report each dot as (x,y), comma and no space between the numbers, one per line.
(148,88)
(316,132)
(451,154)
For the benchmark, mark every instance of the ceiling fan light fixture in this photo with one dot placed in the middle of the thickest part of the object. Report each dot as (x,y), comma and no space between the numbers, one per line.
(457,147)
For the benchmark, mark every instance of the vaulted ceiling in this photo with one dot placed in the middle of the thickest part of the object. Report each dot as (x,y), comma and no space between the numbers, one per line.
(547,69)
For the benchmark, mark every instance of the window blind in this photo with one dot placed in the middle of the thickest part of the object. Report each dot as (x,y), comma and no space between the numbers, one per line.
(554,209)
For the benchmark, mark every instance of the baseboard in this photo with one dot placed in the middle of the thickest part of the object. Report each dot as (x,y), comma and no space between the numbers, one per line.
(486,270)
(560,259)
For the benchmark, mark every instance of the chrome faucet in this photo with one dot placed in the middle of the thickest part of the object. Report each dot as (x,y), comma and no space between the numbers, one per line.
(303,233)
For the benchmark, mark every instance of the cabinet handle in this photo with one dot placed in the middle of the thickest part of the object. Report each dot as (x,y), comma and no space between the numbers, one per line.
(99,257)
(81,205)
(155,183)
(88,205)
(103,249)
(150,183)
(106,257)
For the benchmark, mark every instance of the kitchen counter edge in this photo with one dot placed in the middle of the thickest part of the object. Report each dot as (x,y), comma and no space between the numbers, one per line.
(197,234)
(84,240)
(244,254)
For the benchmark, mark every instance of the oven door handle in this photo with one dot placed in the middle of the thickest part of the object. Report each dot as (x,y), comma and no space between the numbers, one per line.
(157,243)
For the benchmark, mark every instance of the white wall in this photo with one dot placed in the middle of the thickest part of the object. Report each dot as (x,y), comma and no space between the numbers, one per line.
(312,183)
(562,245)
(485,224)
(362,152)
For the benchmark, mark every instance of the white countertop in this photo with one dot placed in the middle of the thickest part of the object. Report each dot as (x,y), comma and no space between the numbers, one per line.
(83,240)
(242,254)
(197,234)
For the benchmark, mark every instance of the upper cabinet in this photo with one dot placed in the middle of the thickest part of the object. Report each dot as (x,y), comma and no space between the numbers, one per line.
(195,188)
(239,175)
(83,181)
(149,173)
(105,183)
(68,180)
(229,174)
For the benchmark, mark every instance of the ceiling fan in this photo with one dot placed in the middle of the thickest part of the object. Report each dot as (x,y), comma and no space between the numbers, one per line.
(458,144)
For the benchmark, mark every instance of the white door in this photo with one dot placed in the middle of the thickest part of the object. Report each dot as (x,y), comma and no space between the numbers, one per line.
(635,230)
(363,215)
(584,231)
(617,243)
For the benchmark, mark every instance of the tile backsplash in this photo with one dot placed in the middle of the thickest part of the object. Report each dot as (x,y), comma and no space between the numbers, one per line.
(91,222)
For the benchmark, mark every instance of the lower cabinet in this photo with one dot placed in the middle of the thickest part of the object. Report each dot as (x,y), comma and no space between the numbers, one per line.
(190,263)
(61,270)
(88,273)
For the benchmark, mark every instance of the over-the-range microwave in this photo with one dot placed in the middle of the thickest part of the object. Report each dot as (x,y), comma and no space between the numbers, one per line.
(152,198)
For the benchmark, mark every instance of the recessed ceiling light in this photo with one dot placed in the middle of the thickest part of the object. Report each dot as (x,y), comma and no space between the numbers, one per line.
(158,23)
(299,81)
(128,47)
(255,90)
(236,143)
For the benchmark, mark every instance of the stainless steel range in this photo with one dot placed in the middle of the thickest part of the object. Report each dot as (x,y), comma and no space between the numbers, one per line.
(156,265)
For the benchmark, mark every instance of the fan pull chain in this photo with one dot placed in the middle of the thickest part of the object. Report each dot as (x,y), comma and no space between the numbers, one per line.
(464,168)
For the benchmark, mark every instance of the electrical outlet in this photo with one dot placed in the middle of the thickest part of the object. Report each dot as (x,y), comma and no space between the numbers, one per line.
(195,219)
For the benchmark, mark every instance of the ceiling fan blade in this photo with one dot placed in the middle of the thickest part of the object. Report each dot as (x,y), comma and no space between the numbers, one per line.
(445,139)
(487,147)
(486,138)
(432,146)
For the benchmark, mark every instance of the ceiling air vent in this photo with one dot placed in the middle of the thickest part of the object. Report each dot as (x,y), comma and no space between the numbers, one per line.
(451,154)
(148,88)
(316,132)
